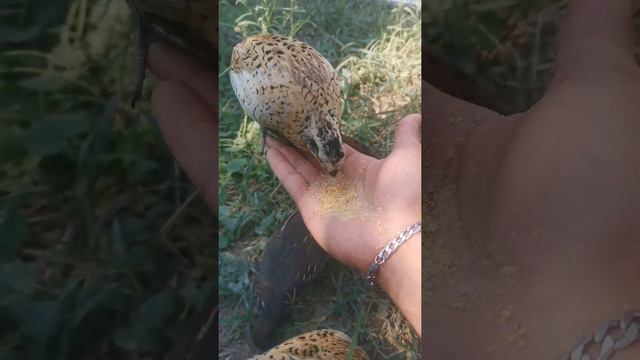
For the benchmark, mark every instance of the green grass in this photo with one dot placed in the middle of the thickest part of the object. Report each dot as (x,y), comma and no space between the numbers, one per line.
(90,265)
(376,50)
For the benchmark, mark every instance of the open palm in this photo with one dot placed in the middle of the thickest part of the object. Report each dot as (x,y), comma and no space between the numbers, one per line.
(388,203)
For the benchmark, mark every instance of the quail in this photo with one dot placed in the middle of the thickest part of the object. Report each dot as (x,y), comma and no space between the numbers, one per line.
(190,25)
(291,259)
(319,344)
(293,92)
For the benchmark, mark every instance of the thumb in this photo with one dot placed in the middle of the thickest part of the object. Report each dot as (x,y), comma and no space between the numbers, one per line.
(596,35)
(408,133)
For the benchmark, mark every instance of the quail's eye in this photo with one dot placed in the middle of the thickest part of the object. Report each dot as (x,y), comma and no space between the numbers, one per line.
(333,149)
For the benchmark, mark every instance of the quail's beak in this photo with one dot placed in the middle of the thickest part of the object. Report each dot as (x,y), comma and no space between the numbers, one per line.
(333,173)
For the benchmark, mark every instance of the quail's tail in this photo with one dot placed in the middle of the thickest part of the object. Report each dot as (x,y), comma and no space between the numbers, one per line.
(360,146)
(291,259)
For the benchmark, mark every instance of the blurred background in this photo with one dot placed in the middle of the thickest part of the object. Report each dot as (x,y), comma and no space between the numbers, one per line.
(106,250)
(376,48)
(496,53)
(504,47)
(500,51)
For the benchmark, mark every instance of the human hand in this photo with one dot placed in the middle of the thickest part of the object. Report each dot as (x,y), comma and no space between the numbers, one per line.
(390,195)
(389,202)
(592,96)
(185,106)
(549,194)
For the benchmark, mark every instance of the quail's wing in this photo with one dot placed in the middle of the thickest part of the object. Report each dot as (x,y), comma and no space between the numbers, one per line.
(315,75)
(262,79)
(277,77)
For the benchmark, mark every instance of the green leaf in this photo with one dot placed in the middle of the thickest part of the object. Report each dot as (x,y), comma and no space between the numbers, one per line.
(236,165)
(13,232)
(50,135)
(47,81)
(86,302)
(17,279)
(12,144)
(38,320)
(156,310)
(141,167)
(11,34)
(194,293)
(223,241)
(227,220)
(266,224)
(146,333)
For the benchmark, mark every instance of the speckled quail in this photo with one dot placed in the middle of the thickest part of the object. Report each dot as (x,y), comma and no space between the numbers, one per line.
(319,344)
(291,259)
(190,25)
(293,92)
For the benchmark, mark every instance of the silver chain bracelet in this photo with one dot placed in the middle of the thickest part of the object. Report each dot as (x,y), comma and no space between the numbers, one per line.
(388,250)
(609,337)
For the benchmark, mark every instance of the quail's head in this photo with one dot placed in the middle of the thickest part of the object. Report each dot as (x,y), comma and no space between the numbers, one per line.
(292,91)
(323,140)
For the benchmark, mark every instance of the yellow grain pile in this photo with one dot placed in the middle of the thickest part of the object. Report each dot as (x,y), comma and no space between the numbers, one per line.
(337,196)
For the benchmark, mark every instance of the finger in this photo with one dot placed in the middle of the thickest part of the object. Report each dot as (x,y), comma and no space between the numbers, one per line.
(297,161)
(295,184)
(408,133)
(596,33)
(186,125)
(168,63)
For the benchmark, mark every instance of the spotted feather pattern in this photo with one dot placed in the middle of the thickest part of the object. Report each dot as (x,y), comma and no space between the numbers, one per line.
(292,90)
(319,344)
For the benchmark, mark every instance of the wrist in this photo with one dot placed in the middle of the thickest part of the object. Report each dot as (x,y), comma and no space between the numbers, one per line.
(391,273)
(381,234)
(401,275)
